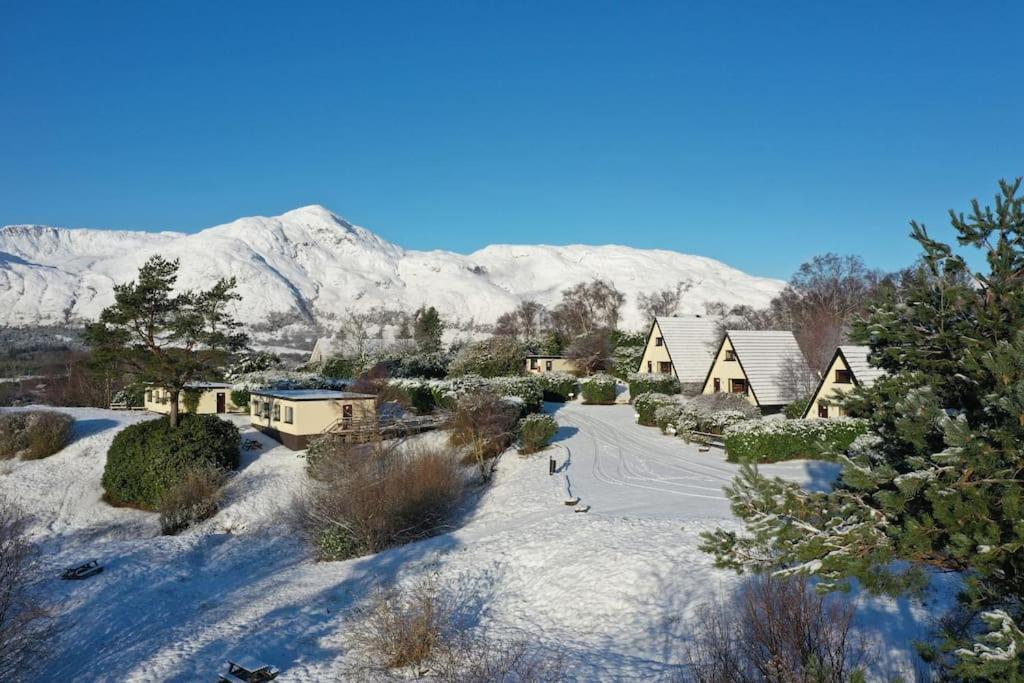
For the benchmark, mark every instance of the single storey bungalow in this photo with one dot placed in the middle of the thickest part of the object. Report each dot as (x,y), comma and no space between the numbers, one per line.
(849,368)
(539,363)
(682,346)
(295,416)
(764,366)
(214,397)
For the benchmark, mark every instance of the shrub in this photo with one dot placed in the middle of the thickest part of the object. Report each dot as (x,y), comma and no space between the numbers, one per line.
(536,432)
(34,434)
(191,500)
(26,626)
(366,498)
(627,351)
(642,383)
(494,357)
(668,415)
(706,404)
(485,423)
(241,398)
(147,459)
(775,440)
(190,400)
(646,404)
(598,389)
(557,386)
(796,409)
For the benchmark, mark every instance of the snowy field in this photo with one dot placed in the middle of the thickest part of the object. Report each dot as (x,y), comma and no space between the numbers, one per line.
(614,591)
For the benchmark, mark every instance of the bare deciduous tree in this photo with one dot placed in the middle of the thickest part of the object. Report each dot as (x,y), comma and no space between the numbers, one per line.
(25,625)
(591,352)
(486,424)
(586,307)
(663,302)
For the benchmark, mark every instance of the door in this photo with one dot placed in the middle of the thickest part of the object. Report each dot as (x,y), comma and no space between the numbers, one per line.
(547,366)
(822,409)
(221,402)
(346,415)
(718,385)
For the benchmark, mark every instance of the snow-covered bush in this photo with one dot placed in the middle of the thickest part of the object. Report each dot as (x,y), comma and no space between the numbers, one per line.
(485,424)
(494,357)
(527,391)
(33,434)
(598,389)
(627,350)
(706,404)
(259,361)
(646,404)
(642,383)
(667,416)
(775,440)
(195,498)
(795,409)
(147,459)
(557,386)
(536,432)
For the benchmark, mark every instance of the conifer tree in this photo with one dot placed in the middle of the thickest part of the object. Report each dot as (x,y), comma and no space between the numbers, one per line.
(427,329)
(167,338)
(938,485)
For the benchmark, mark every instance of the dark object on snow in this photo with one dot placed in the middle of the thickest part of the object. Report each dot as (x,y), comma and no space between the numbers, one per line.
(82,571)
(251,445)
(551,465)
(572,501)
(248,670)
(582,508)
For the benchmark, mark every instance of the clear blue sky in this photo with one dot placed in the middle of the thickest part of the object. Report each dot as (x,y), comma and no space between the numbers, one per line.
(759,134)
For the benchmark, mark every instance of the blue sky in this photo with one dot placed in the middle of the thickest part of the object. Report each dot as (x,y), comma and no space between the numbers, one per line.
(760,135)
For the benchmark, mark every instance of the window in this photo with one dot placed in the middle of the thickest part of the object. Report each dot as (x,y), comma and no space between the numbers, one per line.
(650,366)
(255,407)
(718,385)
(659,341)
(664,367)
(730,354)
(266,410)
(823,409)
(844,377)
(277,412)
(533,363)
(289,415)
(547,366)
(738,386)
(149,397)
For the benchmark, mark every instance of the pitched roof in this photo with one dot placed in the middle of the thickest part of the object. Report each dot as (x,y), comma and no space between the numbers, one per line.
(690,342)
(857,360)
(769,358)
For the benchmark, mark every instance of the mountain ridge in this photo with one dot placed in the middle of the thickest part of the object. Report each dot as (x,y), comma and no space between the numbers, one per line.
(313,262)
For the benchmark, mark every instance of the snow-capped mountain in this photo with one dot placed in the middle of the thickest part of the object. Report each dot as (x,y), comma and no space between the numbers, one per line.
(315,264)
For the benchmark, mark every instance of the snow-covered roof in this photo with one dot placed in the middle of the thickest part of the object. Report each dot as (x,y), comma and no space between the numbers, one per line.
(690,342)
(207,385)
(770,359)
(310,394)
(857,360)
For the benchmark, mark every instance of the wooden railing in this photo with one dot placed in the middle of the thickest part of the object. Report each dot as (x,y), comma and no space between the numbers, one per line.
(366,428)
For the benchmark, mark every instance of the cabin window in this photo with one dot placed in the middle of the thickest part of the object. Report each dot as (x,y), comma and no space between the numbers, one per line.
(277,412)
(547,366)
(738,386)
(650,366)
(255,407)
(718,385)
(730,354)
(823,409)
(533,363)
(844,377)
(266,410)
(289,415)
(659,341)
(664,367)
(149,397)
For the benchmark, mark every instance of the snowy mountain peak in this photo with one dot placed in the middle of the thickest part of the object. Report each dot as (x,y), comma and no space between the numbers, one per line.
(313,264)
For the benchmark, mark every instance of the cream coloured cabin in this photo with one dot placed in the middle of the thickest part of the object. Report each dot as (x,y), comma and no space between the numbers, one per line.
(538,364)
(849,368)
(761,365)
(214,397)
(681,346)
(295,416)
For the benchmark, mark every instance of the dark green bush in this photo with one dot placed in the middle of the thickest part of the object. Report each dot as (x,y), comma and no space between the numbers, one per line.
(147,459)
(536,432)
(598,389)
(241,398)
(774,440)
(796,409)
(643,383)
(194,498)
(34,434)
(190,399)
(557,386)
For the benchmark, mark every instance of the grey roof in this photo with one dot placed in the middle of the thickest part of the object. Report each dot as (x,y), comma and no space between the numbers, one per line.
(690,342)
(310,394)
(857,359)
(207,385)
(770,360)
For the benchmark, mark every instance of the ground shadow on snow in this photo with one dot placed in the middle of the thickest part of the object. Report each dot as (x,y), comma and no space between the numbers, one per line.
(82,429)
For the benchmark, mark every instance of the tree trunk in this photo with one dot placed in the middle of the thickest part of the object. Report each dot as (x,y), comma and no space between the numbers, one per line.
(173,416)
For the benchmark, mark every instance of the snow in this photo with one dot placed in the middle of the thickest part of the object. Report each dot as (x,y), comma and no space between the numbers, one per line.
(614,590)
(317,266)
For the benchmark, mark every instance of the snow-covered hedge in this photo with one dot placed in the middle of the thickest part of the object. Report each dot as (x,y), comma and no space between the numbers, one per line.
(558,386)
(446,392)
(646,405)
(494,357)
(775,440)
(536,432)
(642,383)
(598,389)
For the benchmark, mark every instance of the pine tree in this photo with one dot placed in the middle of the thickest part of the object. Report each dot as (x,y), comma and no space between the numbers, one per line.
(939,487)
(166,338)
(427,330)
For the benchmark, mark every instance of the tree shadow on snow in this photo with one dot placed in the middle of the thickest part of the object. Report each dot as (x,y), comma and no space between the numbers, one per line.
(82,429)
(564,434)
(822,475)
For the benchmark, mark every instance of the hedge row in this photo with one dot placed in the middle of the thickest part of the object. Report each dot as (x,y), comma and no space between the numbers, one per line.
(647,404)
(643,383)
(775,440)
(33,434)
(425,395)
(598,389)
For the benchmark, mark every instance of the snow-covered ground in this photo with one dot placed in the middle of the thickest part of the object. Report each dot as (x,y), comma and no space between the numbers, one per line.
(614,591)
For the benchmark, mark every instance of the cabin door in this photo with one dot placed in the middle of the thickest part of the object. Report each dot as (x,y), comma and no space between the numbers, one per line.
(221,402)
(822,409)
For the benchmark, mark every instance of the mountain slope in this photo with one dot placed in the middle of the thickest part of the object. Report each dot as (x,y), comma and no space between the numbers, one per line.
(314,264)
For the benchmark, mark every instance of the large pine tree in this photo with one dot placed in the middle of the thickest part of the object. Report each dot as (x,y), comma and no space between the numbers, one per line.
(168,338)
(939,484)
